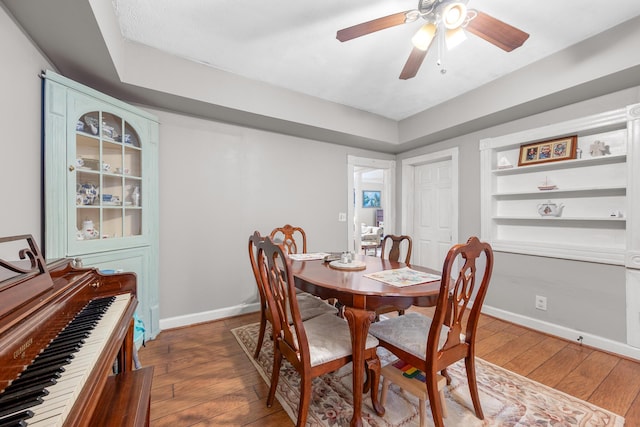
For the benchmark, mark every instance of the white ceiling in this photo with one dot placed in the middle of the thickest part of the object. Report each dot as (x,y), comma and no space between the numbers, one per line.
(291,44)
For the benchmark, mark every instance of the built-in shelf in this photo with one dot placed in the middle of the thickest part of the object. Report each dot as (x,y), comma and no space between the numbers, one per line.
(599,194)
(592,191)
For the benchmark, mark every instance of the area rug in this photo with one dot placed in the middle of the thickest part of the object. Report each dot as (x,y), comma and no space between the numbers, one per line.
(508,399)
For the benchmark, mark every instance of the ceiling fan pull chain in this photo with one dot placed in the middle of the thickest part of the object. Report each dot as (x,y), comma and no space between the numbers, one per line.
(441,48)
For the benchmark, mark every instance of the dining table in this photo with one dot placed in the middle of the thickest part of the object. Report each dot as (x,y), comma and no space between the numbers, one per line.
(361,296)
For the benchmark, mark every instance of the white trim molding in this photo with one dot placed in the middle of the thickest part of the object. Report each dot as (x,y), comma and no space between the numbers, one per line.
(388,201)
(207,316)
(563,332)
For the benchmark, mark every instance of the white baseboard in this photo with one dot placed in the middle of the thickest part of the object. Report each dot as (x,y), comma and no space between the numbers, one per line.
(566,333)
(207,316)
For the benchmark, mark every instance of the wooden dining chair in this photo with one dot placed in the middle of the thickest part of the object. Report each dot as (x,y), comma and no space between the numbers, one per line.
(433,344)
(291,238)
(310,306)
(313,347)
(393,245)
(391,248)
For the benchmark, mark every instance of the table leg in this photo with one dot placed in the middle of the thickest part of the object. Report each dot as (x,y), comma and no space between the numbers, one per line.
(359,321)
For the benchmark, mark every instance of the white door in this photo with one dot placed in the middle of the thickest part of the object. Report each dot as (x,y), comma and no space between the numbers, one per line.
(433,214)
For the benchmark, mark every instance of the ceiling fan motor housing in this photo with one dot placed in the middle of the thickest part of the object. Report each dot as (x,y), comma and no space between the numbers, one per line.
(425,5)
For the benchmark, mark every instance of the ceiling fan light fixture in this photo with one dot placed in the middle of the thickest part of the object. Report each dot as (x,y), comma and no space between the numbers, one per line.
(454,15)
(455,37)
(423,38)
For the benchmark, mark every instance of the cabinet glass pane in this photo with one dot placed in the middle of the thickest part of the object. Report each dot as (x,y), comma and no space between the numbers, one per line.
(132,161)
(89,123)
(108,177)
(131,136)
(133,222)
(88,152)
(111,127)
(112,223)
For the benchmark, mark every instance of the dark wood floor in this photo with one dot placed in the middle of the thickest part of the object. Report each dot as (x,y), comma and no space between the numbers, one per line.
(203,378)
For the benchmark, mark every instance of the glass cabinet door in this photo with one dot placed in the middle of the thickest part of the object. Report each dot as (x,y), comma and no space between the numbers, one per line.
(108,178)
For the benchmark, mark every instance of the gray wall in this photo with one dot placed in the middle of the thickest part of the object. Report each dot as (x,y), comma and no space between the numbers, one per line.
(20,105)
(219,183)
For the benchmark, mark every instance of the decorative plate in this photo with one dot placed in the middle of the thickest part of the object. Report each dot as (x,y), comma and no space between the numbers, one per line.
(353,265)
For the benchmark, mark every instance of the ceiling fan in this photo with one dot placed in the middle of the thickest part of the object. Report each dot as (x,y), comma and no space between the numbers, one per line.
(446,22)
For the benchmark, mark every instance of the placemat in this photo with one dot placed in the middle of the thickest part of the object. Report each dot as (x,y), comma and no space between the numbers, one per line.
(401,277)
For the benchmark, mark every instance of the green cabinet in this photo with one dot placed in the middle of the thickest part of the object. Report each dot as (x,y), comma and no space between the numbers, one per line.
(101,185)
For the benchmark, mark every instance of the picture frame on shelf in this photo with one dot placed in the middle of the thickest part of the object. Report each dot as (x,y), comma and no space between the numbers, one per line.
(548,151)
(371,199)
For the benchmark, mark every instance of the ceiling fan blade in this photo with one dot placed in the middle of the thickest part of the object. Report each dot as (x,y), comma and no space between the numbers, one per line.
(372,26)
(496,32)
(413,64)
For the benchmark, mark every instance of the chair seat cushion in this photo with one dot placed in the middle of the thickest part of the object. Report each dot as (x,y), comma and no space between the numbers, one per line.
(311,306)
(330,338)
(408,332)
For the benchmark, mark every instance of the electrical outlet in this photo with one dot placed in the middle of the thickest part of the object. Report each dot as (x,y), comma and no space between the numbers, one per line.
(541,303)
(342,217)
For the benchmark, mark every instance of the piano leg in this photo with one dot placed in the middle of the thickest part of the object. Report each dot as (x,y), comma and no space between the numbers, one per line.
(125,355)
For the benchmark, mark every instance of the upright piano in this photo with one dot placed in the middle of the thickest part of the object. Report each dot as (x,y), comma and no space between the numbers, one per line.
(66,343)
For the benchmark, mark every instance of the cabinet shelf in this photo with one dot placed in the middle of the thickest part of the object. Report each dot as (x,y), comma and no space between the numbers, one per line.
(554,218)
(565,164)
(88,135)
(562,250)
(586,191)
(84,169)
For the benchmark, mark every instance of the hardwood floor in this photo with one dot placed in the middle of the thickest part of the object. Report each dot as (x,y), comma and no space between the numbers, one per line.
(203,378)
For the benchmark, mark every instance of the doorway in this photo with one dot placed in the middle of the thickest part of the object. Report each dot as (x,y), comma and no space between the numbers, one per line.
(368,179)
(430,205)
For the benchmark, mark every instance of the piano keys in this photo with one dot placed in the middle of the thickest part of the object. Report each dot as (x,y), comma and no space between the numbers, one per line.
(63,366)
(66,335)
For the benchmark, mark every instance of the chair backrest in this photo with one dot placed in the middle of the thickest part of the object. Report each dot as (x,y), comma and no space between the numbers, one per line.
(275,269)
(254,240)
(392,245)
(290,237)
(456,290)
